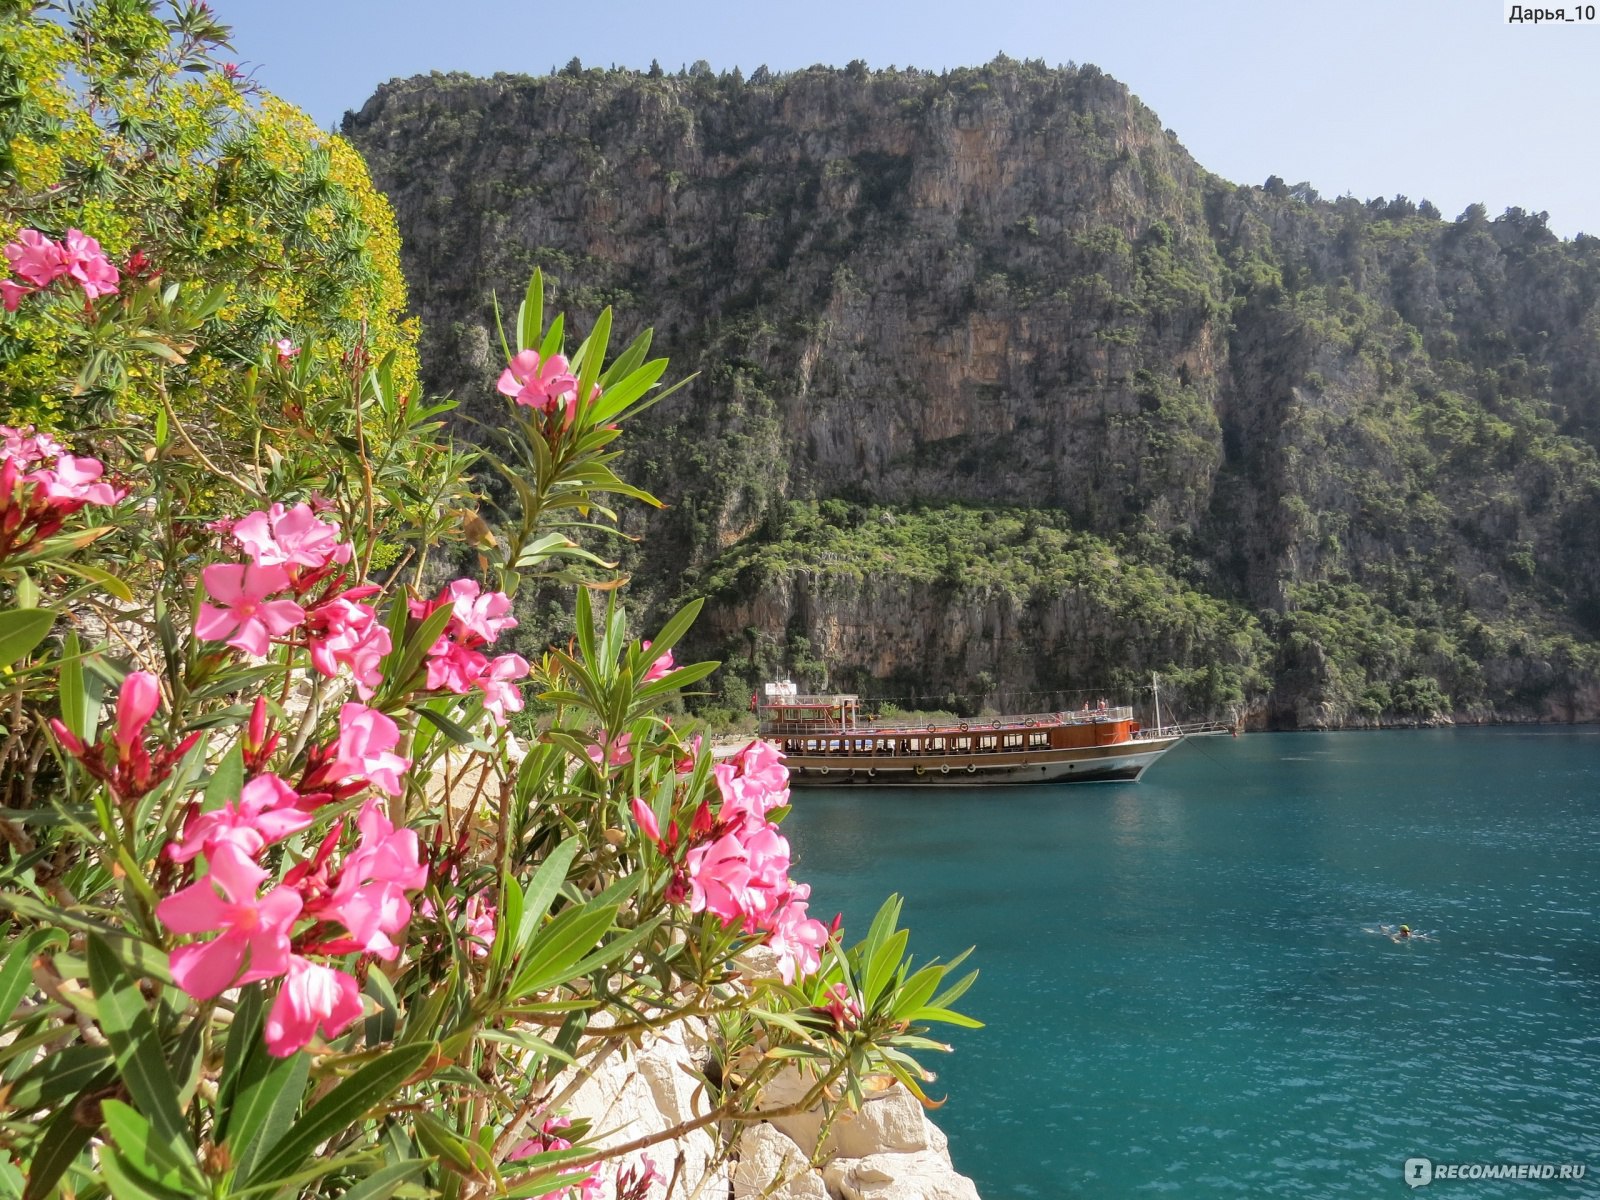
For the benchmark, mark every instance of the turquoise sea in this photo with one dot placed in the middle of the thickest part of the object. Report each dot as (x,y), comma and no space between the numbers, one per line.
(1179,992)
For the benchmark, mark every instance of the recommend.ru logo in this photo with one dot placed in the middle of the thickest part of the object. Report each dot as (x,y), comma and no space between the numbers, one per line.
(1419,1172)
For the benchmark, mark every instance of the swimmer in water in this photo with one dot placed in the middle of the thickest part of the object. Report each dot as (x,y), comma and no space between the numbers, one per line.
(1403,933)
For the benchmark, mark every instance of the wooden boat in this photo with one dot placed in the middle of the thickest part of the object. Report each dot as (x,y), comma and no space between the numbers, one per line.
(826,741)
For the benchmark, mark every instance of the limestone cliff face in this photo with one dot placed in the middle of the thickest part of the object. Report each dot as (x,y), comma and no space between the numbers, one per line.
(1365,432)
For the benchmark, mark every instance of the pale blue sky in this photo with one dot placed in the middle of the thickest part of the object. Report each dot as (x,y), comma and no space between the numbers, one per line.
(1436,99)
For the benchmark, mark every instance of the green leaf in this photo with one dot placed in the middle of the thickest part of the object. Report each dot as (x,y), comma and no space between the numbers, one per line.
(99,575)
(552,337)
(530,316)
(65,1073)
(674,629)
(453,1151)
(227,781)
(945,1016)
(16,976)
(881,969)
(372,1085)
(594,357)
(381,1025)
(126,1183)
(80,695)
(382,1184)
(916,992)
(402,662)
(131,1030)
(626,363)
(21,629)
(147,1156)
(456,733)
(244,1032)
(59,1145)
(559,947)
(143,958)
(542,889)
(509,926)
(268,1096)
(619,395)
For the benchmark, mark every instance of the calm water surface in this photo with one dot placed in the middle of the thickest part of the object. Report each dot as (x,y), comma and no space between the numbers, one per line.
(1179,993)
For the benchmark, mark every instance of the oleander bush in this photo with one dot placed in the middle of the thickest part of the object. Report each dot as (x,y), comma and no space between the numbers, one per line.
(287,907)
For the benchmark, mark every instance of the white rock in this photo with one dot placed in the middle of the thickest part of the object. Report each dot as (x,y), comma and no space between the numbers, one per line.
(891,1120)
(646,1093)
(772,1167)
(921,1176)
(788,1087)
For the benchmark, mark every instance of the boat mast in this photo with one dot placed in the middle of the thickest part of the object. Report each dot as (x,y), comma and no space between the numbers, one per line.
(1155,686)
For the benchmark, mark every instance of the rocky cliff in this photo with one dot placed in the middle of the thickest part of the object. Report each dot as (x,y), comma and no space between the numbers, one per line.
(1000,392)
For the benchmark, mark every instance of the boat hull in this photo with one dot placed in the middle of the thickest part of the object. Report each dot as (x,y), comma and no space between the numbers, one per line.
(1122,762)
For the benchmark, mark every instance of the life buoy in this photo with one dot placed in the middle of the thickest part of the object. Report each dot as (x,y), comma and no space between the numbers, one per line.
(962,727)
(994,724)
(872,772)
(932,727)
(921,770)
(945,770)
(972,768)
(1029,722)
(822,770)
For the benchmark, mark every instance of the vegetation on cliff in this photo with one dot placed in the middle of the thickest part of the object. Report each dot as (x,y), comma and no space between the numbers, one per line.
(1364,431)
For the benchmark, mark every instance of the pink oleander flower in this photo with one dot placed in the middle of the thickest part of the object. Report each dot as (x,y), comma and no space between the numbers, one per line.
(292,537)
(253,929)
(121,759)
(659,668)
(453,667)
(287,351)
(844,1008)
(612,752)
(365,749)
(686,764)
(762,762)
(12,294)
(243,616)
(496,683)
(313,999)
(545,385)
(719,878)
(385,853)
(646,817)
(267,811)
(136,704)
(36,258)
(743,800)
(77,479)
(548,1139)
(483,614)
(27,446)
(476,917)
(369,898)
(343,632)
(478,920)
(798,938)
(636,1177)
(752,784)
(88,265)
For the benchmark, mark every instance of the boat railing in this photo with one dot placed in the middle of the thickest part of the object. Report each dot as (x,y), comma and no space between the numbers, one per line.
(901,726)
(1185,729)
